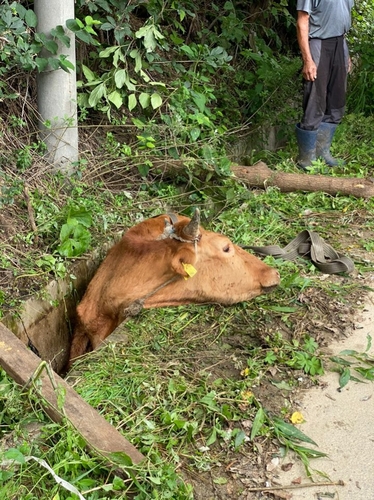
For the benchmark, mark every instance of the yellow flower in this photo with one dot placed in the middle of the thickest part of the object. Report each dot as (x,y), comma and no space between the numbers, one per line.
(245,372)
(247,394)
(297,418)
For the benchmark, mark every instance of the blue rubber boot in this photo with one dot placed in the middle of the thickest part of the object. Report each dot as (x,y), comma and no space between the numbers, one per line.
(325,135)
(307,142)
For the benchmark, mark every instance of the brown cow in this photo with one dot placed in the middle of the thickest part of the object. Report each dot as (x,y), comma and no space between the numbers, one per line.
(154,265)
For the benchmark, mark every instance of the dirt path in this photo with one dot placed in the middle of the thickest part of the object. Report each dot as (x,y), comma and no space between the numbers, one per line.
(342,424)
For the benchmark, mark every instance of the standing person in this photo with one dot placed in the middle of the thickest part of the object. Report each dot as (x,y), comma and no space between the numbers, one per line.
(321,28)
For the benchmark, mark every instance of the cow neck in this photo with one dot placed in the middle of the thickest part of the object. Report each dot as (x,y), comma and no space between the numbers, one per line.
(135,307)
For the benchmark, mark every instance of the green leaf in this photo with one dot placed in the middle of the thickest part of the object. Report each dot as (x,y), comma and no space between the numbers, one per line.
(283,386)
(120,77)
(135,54)
(21,10)
(77,244)
(90,75)
(65,231)
(30,19)
(149,40)
(200,101)
(72,25)
(367,373)
(120,458)
(144,100)
(109,50)
(340,361)
(5,475)
(53,63)
(79,215)
(115,98)
(65,64)
(194,133)
(368,346)
(41,63)
(284,309)
(239,439)
(118,484)
(60,34)
(138,123)
(107,26)
(212,438)
(97,93)
(15,454)
(209,400)
(344,377)
(156,100)
(90,21)
(289,431)
(155,480)
(143,170)
(308,451)
(51,46)
(85,37)
(132,101)
(258,422)
(348,352)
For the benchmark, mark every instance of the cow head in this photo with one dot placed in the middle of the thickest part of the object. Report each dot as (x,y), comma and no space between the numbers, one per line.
(168,260)
(214,269)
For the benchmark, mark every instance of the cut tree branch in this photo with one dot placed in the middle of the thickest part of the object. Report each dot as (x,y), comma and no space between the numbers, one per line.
(260,175)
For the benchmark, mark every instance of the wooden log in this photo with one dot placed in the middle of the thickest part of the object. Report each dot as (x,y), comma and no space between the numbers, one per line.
(260,175)
(21,364)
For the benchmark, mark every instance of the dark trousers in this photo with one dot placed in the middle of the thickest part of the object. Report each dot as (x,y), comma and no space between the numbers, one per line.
(324,99)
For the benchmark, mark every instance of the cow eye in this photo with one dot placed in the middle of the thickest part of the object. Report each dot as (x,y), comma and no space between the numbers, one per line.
(226,248)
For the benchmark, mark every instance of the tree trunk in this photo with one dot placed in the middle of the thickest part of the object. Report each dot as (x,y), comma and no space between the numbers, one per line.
(260,175)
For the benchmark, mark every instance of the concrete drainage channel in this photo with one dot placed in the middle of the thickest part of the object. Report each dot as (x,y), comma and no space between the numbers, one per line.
(43,323)
(41,331)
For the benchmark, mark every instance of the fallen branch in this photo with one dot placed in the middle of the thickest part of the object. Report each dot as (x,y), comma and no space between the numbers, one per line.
(25,367)
(260,175)
(295,486)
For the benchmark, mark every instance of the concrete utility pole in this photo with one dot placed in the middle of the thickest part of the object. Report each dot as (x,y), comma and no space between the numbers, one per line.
(57,90)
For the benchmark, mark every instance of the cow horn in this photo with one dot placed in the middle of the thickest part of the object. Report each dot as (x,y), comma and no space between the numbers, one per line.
(192,228)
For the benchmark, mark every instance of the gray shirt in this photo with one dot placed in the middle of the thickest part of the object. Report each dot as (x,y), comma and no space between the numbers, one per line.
(328,18)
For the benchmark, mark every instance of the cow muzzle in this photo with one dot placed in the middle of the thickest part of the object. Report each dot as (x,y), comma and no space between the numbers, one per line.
(271,283)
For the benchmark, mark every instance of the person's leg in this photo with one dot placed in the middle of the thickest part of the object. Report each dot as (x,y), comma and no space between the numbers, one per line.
(314,105)
(315,93)
(307,143)
(335,103)
(337,84)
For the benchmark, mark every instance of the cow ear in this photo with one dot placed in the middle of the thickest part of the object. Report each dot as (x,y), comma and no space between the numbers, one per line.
(183,263)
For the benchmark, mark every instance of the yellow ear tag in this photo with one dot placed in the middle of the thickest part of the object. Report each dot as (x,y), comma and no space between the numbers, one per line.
(190,270)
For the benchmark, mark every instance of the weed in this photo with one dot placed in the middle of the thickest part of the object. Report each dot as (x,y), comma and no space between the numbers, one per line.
(74,235)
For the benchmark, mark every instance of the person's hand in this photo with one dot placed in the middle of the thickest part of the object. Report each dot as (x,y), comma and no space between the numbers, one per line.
(310,71)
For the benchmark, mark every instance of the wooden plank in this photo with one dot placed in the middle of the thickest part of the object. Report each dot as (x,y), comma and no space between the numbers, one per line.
(20,363)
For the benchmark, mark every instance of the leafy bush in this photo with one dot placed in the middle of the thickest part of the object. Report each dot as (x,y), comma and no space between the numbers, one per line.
(361,82)
(22,46)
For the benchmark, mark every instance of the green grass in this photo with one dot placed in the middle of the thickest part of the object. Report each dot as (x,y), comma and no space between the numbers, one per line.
(192,387)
